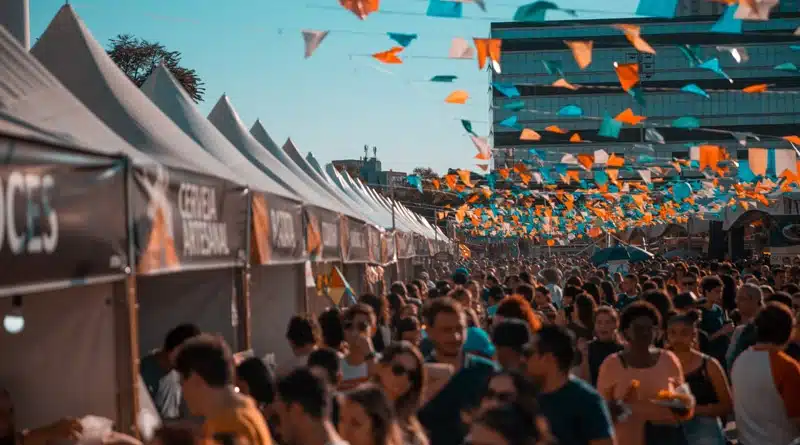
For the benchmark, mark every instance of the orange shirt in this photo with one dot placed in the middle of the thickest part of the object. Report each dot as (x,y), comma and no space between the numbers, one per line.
(245,422)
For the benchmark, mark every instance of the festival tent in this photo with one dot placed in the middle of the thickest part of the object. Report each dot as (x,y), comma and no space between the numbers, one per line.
(190,217)
(277,220)
(64,251)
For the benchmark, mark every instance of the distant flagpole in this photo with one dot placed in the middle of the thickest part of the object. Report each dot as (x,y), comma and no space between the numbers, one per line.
(391,192)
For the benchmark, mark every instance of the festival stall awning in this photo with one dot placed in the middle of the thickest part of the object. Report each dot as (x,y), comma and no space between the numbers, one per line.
(277,220)
(185,217)
(63,180)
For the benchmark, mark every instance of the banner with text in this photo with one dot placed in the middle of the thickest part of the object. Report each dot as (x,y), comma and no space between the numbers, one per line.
(61,222)
(356,248)
(323,234)
(185,220)
(277,236)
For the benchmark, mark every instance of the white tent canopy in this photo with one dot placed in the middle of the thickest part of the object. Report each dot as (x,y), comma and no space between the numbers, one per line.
(227,121)
(260,134)
(70,52)
(165,91)
(35,106)
(384,219)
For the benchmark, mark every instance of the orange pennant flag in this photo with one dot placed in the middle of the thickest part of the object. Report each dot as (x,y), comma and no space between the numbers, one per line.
(390,56)
(615,161)
(562,83)
(581,51)
(483,156)
(488,48)
(628,74)
(464,175)
(555,129)
(633,34)
(361,8)
(451,181)
(503,172)
(529,135)
(457,97)
(575,138)
(586,161)
(627,117)
(758,88)
(435,183)
(793,139)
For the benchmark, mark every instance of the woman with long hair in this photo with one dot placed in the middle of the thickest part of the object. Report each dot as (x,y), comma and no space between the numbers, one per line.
(401,374)
(368,418)
(507,387)
(582,318)
(705,378)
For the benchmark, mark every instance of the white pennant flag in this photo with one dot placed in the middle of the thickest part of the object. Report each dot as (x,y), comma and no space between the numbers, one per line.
(739,54)
(460,49)
(755,10)
(313,39)
(600,157)
(646,175)
(482,145)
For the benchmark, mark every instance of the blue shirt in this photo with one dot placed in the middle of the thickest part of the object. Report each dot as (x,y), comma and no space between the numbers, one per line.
(577,413)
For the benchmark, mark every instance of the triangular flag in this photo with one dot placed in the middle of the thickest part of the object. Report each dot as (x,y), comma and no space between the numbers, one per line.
(694,89)
(758,88)
(601,157)
(529,135)
(581,51)
(628,74)
(361,8)
(488,48)
(571,111)
(509,122)
(446,9)
(402,39)
(627,117)
(609,128)
(633,34)
(443,78)
(687,122)
(506,89)
(555,129)
(312,40)
(457,97)
(467,126)
(535,12)
(390,56)
(652,135)
(728,23)
(482,145)
(713,65)
(460,49)
(576,137)
(738,53)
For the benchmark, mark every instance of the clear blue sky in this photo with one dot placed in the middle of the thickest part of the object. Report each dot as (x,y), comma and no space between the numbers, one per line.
(331,104)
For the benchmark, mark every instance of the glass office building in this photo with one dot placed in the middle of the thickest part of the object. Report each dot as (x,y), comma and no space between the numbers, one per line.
(530,49)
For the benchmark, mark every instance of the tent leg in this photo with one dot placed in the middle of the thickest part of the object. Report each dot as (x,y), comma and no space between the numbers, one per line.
(127,340)
(242,296)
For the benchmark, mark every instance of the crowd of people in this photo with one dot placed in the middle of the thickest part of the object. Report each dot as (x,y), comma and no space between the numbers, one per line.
(552,351)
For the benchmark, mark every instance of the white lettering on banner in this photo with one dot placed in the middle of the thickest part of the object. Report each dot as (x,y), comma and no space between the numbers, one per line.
(203,235)
(40,233)
(282,223)
(357,240)
(330,234)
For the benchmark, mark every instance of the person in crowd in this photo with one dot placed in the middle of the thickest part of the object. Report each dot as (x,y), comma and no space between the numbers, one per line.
(526,291)
(401,374)
(441,415)
(303,406)
(582,318)
(636,376)
(507,387)
(665,307)
(408,329)
(425,278)
(714,321)
(551,278)
(689,283)
(608,293)
(382,335)
(517,423)
(156,370)
(206,369)
(706,379)
(630,291)
(255,379)
(303,335)
(398,296)
(766,382)
(518,308)
(332,327)
(66,429)
(541,297)
(593,290)
(606,342)
(359,326)
(326,362)
(510,337)
(368,418)
(576,412)
(496,295)
(749,300)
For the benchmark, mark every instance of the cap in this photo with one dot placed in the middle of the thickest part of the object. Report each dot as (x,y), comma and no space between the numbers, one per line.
(687,300)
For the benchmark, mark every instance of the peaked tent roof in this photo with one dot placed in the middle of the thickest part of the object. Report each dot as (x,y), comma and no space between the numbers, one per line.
(168,95)
(35,106)
(260,134)
(399,221)
(383,217)
(72,54)
(295,156)
(227,121)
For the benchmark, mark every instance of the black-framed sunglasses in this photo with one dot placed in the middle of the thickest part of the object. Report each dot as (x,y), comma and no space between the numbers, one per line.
(502,397)
(399,370)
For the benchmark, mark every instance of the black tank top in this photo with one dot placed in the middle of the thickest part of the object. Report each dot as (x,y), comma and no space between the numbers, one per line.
(700,383)
(598,351)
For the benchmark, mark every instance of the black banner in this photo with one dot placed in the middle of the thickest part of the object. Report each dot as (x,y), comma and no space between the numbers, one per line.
(277,236)
(61,222)
(356,247)
(374,241)
(324,234)
(185,220)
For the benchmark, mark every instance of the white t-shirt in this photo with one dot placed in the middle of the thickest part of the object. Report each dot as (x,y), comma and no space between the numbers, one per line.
(352,376)
(556,294)
(291,364)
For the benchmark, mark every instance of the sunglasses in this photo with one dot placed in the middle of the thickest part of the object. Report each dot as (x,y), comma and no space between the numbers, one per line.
(502,397)
(361,326)
(399,370)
